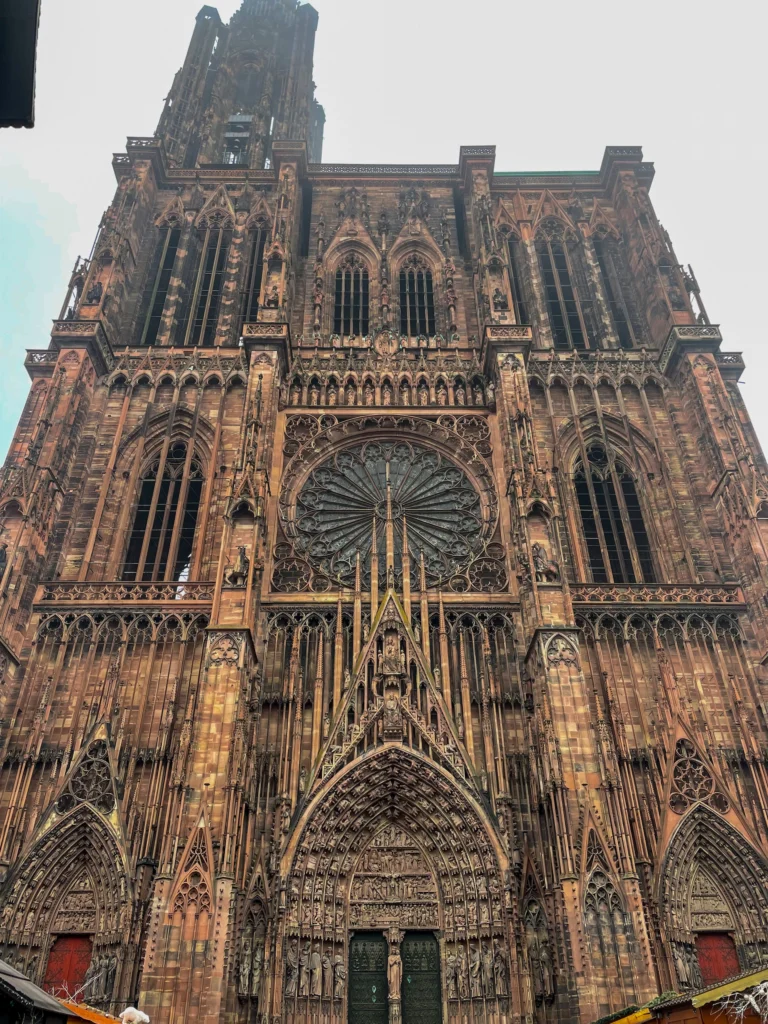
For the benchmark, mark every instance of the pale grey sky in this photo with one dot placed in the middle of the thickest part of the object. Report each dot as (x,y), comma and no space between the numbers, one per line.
(551,84)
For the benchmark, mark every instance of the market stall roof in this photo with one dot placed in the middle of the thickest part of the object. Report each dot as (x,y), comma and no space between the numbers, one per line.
(89,1014)
(16,986)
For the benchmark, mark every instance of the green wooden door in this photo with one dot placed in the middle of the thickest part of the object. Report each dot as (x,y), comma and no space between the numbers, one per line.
(422,1002)
(368,980)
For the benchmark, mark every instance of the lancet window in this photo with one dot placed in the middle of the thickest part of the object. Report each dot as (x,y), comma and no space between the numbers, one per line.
(564,305)
(618,547)
(616,285)
(417,298)
(252,289)
(205,300)
(351,309)
(160,277)
(160,547)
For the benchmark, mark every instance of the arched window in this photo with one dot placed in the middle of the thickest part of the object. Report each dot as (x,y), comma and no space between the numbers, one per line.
(163,532)
(205,299)
(566,316)
(351,308)
(250,304)
(160,279)
(617,287)
(617,542)
(417,298)
(517,277)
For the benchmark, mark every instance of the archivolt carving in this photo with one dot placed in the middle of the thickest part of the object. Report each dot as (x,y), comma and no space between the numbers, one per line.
(393,841)
(710,874)
(73,879)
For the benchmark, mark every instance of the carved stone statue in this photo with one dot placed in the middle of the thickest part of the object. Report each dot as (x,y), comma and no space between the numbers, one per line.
(245,967)
(273,298)
(461,395)
(257,969)
(395,973)
(547,970)
(291,969)
(3,559)
(500,300)
(339,976)
(316,972)
(304,958)
(95,292)
(488,985)
(462,976)
(546,570)
(327,975)
(237,576)
(450,974)
(500,970)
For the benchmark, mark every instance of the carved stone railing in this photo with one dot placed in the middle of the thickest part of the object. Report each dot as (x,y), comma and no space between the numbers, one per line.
(87,334)
(731,364)
(66,593)
(688,338)
(657,593)
(40,362)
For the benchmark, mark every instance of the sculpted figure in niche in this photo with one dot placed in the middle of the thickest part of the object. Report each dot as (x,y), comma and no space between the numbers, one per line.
(257,970)
(273,299)
(462,975)
(368,394)
(95,292)
(316,972)
(333,395)
(450,974)
(477,394)
(475,972)
(296,393)
(386,395)
(304,959)
(327,975)
(339,976)
(351,394)
(442,394)
(546,570)
(245,966)
(292,969)
(500,301)
(423,394)
(488,986)
(314,395)
(500,970)
(237,576)
(461,395)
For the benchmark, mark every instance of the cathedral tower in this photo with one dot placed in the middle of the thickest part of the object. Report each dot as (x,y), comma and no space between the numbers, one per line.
(382,587)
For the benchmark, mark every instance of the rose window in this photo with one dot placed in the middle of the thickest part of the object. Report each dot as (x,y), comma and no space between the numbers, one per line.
(339,504)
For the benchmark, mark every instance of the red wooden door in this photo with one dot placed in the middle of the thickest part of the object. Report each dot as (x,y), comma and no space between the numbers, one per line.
(717,955)
(68,964)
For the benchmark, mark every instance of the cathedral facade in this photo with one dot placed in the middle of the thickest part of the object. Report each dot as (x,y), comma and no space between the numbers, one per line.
(383,614)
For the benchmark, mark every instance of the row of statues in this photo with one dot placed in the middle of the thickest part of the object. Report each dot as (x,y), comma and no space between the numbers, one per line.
(482,974)
(314,973)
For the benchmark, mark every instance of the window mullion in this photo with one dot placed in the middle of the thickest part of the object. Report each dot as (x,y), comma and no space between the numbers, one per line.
(156,286)
(170,569)
(211,286)
(173,486)
(627,524)
(576,299)
(560,296)
(198,284)
(153,508)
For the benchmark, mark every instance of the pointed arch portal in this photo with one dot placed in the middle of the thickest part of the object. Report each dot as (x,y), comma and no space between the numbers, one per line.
(395,846)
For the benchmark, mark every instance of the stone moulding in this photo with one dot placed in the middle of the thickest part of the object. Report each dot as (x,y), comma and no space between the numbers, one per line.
(658,593)
(128,593)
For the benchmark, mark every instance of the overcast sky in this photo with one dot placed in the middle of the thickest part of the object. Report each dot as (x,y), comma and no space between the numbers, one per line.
(551,84)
